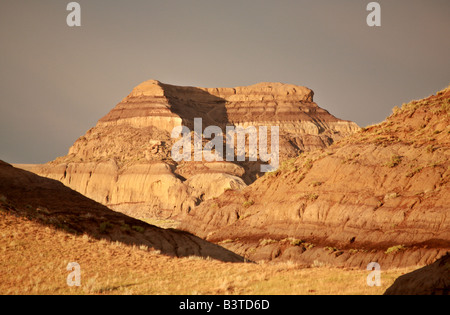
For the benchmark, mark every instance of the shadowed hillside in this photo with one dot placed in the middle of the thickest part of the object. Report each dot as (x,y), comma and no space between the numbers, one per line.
(429,280)
(50,203)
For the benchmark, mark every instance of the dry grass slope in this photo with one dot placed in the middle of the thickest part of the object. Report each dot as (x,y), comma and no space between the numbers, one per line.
(34,260)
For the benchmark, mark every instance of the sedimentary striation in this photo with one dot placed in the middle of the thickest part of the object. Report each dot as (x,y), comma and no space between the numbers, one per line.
(382,195)
(125,161)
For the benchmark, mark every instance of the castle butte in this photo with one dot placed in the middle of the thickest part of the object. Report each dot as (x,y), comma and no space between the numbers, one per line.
(124,162)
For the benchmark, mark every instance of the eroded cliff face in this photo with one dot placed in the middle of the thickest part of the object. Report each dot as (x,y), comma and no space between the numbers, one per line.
(125,161)
(382,194)
(141,124)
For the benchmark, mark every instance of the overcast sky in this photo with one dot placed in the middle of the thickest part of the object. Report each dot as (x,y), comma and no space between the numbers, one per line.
(57,81)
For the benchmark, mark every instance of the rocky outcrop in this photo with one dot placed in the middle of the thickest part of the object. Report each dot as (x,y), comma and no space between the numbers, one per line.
(50,203)
(125,161)
(153,104)
(382,194)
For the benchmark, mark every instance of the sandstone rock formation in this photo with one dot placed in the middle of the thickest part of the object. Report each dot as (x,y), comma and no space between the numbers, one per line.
(382,194)
(125,161)
(50,203)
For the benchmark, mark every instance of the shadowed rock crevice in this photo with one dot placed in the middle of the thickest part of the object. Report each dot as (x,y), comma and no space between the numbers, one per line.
(191,102)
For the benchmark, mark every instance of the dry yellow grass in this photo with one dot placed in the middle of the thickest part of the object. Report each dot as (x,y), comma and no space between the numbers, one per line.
(34,260)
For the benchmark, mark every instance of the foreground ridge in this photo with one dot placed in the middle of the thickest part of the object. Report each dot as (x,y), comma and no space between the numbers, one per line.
(48,202)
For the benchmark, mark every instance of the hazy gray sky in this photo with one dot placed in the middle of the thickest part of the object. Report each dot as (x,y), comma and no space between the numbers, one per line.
(57,81)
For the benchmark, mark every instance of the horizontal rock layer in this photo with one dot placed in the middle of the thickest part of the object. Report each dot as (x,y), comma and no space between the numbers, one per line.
(164,106)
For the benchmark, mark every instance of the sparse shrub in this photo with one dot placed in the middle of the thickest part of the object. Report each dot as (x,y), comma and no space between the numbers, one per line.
(380,139)
(445,107)
(289,165)
(309,245)
(125,228)
(296,242)
(293,241)
(395,249)
(391,196)
(308,164)
(430,149)
(412,106)
(316,184)
(395,160)
(248,203)
(301,177)
(436,163)
(414,172)
(214,206)
(265,242)
(105,227)
(3,199)
(396,110)
(138,228)
(312,196)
